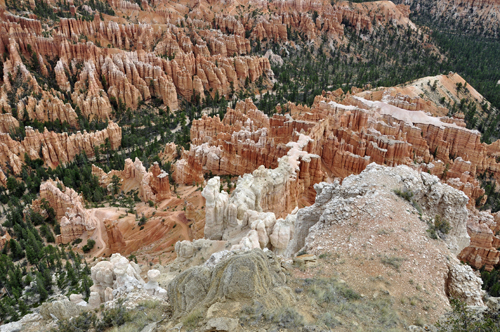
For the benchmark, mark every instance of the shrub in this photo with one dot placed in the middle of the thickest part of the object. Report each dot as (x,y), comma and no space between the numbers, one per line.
(81,323)
(89,246)
(287,317)
(330,291)
(142,221)
(439,228)
(491,281)
(191,320)
(116,316)
(463,319)
(405,194)
(394,262)
(151,203)
(329,320)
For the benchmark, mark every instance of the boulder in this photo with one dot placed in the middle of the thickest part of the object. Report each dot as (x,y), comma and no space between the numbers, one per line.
(118,277)
(244,277)
(222,324)
(464,285)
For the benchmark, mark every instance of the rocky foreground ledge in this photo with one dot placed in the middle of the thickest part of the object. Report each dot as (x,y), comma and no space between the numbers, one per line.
(360,256)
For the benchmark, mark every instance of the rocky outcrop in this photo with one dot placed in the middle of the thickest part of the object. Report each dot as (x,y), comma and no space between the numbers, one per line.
(366,203)
(260,198)
(169,153)
(68,205)
(4,239)
(245,139)
(60,309)
(118,277)
(426,192)
(48,109)
(8,124)
(158,181)
(483,249)
(464,285)
(153,184)
(55,149)
(234,280)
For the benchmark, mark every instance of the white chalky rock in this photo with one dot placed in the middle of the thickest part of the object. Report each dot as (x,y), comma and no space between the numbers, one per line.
(463,284)
(94,300)
(76,298)
(153,275)
(244,217)
(119,277)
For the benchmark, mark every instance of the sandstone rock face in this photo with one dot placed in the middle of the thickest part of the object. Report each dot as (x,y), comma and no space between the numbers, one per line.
(244,140)
(8,123)
(153,184)
(68,205)
(348,133)
(55,149)
(4,239)
(483,249)
(241,278)
(169,153)
(118,277)
(48,109)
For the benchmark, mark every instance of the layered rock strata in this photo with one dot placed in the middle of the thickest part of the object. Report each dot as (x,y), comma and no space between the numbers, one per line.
(244,277)
(68,205)
(252,215)
(55,149)
(153,184)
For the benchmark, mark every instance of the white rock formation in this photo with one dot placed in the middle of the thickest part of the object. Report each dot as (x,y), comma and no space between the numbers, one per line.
(61,308)
(215,210)
(463,284)
(283,232)
(247,218)
(152,287)
(78,300)
(117,278)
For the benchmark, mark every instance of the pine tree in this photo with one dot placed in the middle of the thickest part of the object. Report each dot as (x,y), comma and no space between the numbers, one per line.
(40,286)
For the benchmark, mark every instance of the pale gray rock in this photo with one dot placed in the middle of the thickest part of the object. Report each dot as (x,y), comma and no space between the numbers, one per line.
(274,59)
(150,327)
(241,218)
(463,284)
(245,276)
(76,298)
(222,324)
(29,319)
(61,309)
(120,277)
(94,300)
